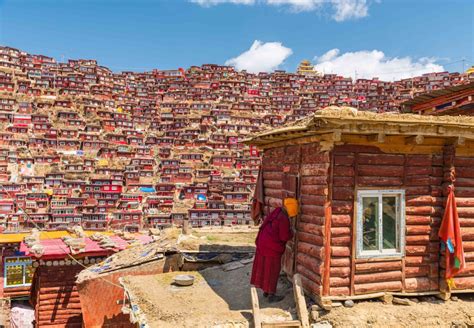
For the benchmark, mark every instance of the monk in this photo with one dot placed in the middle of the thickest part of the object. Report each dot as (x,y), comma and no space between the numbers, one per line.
(272,236)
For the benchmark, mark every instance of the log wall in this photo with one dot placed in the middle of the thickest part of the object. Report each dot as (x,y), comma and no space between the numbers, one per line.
(332,178)
(55,296)
(311,166)
(366,167)
(464,191)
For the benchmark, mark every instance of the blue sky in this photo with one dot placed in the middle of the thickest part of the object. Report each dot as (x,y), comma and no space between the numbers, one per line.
(140,35)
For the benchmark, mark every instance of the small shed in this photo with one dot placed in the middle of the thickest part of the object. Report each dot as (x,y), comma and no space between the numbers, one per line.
(372,189)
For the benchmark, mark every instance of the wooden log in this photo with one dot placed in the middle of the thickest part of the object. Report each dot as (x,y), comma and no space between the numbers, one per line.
(313,200)
(341,207)
(380,170)
(274,193)
(378,277)
(339,281)
(365,181)
(418,180)
(314,169)
(417,284)
(464,282)
(313,210)
(340,231)
(386,286)
(463,161)
(464,182)
(314,277)
(341,241)
(314,190)
(380,159)
(417,190)
(419,210)
(465,172)
(343,193)
(321,180)
(273,184)
(272,175)
(310,238)
(466,212)
(418,229)
(419,170)
(419,160)
(311,286)
(417,239)
(340,261)
(309,262)
(466,222)
(314,251)
(340,272)
(418,219)
(344,171)
(345,159)
(309,218)
(341,220)
(417,271)
(343,181)
(419,200)
(339,291)
(372,267)
(69,306)
(340,251)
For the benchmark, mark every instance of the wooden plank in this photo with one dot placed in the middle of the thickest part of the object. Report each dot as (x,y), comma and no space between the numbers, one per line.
(300,301)
(255,308)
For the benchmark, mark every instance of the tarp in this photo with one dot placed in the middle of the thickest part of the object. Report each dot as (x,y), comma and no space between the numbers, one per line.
(147,189)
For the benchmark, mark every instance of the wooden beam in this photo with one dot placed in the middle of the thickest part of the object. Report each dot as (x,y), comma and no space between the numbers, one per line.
(300,301)
(412,140)
(255,308)
(379,137)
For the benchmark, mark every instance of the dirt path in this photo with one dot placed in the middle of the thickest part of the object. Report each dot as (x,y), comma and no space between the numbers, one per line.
(218,299)
(428,312)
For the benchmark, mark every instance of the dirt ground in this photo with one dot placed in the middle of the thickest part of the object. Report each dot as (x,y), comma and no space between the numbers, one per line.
(218,299)
(427,312)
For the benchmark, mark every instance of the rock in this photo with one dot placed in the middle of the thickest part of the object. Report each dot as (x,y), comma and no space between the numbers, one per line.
(349,303)
(454,298)
(336,304)
(322,324)
(415,300)
(402,301)
(458,324)
(314,315)
(315,307)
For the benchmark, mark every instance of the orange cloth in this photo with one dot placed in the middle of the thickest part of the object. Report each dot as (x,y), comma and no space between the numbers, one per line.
(450,235)
(291,206)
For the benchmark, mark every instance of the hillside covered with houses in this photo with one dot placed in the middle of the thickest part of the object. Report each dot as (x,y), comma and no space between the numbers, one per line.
(81,144)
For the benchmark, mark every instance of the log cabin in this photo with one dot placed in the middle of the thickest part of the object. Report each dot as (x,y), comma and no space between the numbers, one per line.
(372,190)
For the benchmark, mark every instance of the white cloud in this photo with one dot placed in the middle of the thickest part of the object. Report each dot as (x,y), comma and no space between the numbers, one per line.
(343,9)
(349,9)
(261,57)
(368,64)
(208,3)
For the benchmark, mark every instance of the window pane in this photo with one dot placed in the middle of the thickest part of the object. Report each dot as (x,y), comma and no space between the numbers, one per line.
(389,224)
(29,271)
(14,275)
(370,216)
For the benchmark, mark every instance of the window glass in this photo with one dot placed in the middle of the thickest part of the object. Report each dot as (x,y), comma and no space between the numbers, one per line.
(389,223)
(370,223)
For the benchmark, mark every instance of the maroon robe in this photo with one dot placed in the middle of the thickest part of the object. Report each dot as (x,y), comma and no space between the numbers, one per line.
(274,232)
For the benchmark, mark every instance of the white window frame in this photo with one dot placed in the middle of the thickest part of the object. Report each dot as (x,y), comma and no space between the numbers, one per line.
(381,253)
(16,263)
